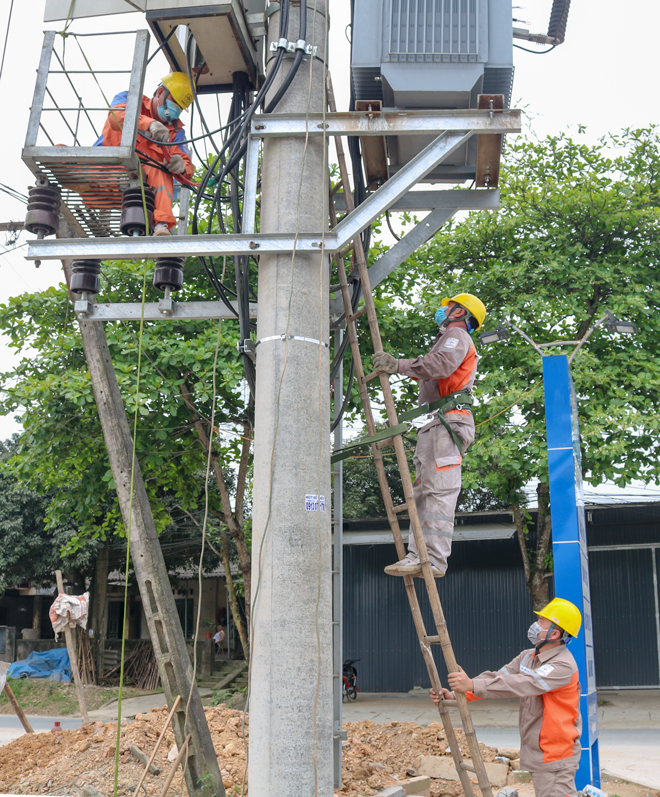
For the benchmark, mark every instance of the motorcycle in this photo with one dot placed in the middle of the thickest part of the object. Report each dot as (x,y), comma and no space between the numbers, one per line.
(350,689)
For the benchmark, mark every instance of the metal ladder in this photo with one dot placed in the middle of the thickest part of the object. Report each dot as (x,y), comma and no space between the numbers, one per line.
(441,637)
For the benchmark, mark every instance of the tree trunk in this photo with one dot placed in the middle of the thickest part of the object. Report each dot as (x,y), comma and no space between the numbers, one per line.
(100,605)
(535,563)
(232,523)
(223,554)
(36,615)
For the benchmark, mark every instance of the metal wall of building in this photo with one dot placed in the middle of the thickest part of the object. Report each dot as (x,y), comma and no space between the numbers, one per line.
(485,602)
(488,608)
(625,621)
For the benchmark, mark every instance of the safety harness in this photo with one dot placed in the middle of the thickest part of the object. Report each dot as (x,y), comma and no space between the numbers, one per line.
(453,401)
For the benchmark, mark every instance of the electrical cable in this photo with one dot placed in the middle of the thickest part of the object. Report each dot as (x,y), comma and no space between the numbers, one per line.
(163,43)
(389,226)
(536,52)
(4,49)
(347,397)
(204,527)
(302,33)
(13,193)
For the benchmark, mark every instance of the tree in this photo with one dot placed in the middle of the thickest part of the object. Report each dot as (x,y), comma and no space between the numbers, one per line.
(61,453)
(29,552)
(577,233)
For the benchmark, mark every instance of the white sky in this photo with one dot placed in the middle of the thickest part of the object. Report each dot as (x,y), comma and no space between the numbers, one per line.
(600,77)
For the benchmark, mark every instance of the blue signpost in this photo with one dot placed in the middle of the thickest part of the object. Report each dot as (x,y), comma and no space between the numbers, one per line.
(569,544)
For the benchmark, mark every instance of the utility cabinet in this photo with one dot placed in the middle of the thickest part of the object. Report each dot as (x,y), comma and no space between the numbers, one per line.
(431,54)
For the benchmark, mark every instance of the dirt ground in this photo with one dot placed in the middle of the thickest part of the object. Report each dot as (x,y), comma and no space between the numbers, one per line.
(375,757)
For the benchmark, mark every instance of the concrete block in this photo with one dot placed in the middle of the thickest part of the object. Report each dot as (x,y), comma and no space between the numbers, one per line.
(519,776)
(420,786)
(437,766)
(443,767)
(497,773)
(392,791)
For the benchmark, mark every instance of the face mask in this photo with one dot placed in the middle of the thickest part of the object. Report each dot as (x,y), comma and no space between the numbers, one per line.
(440,315)
(536,633)
(169,112)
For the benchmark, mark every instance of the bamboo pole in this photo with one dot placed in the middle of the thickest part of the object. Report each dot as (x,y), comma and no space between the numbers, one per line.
(68,635)
(160,739)
(11,697)
(177,761)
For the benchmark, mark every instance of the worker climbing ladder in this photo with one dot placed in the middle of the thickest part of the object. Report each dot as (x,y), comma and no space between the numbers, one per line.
(393,436)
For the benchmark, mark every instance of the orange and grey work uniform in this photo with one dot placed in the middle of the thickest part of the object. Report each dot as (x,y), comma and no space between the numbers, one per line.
(450,366)
(161,181)
(550,724)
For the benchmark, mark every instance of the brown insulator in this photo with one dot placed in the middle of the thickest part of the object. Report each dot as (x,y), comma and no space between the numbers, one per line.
(169,273)
(85,276)
(43,210)
(132,211)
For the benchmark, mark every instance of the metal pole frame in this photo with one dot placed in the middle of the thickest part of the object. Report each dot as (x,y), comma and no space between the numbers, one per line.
(337,576)
(253,243)
(34,156)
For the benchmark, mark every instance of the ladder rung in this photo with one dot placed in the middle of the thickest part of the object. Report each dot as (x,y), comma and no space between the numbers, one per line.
(399,508)
(373,375)
(359,314)
(468,767)
(432,640)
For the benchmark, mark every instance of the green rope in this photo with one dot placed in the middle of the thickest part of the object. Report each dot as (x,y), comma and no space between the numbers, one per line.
(130,518)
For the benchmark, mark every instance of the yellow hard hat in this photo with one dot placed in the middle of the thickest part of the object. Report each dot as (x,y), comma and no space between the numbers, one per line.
(564,614)
(178,84)
(470,303)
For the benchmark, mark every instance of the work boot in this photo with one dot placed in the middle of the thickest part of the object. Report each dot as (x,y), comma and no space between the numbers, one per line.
(162,229)
(409,566)
(436,573)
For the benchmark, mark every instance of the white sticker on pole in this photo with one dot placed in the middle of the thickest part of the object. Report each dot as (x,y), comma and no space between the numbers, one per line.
(314,503)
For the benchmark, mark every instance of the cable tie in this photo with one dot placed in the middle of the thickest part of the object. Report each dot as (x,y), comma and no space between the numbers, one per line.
(284,336)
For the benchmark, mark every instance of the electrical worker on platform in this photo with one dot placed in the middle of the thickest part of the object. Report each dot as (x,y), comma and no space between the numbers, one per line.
(449,368)
(546,681)
(159,121)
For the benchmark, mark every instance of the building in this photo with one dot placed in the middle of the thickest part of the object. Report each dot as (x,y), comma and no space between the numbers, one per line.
(487,605)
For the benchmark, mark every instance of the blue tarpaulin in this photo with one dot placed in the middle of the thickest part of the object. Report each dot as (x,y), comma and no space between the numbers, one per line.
(54,665)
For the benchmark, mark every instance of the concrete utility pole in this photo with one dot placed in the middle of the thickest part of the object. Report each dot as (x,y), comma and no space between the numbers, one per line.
(201,766)
(291,669)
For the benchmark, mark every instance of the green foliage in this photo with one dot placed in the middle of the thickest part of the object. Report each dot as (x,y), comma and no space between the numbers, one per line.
(30,553)
(61,454)
(577,233)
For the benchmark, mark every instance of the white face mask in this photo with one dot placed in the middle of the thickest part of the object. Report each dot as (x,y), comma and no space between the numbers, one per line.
(536,633)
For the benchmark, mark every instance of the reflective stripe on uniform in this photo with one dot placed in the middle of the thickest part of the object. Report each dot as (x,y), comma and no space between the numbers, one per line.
(542,683)
(436,533)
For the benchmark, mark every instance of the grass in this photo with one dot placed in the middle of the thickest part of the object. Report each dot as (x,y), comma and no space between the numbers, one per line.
(52,699)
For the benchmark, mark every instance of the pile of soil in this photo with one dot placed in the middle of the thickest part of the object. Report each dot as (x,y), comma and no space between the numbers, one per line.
(375,756)
(378,756)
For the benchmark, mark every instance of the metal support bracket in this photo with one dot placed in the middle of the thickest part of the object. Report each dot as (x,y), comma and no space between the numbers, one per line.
(402,250)
(458,127)
(164,310)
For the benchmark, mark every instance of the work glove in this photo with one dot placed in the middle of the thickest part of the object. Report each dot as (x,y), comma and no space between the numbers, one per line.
(158,131)
(385,362)
(176,165)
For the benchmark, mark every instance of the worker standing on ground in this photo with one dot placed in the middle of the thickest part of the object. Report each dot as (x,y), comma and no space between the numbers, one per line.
(546,681)
(449,368)
(159,122)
